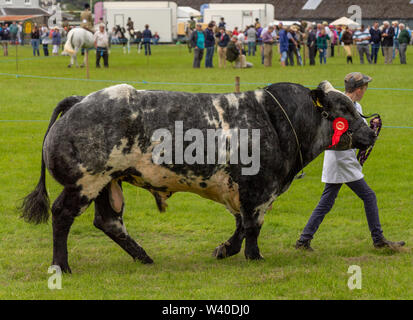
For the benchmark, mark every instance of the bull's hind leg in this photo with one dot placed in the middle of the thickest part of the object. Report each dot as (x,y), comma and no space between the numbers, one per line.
(108,218)
(233,245)
(66,207)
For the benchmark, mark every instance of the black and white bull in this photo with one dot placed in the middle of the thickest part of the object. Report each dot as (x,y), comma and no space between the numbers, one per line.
(104,139)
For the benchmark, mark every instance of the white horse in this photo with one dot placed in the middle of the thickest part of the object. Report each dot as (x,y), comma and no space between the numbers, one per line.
(77,38)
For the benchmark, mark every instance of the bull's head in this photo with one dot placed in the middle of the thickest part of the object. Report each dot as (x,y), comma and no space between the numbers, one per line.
(333,104)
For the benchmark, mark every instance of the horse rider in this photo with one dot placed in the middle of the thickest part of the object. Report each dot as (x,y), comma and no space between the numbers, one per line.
(87,19)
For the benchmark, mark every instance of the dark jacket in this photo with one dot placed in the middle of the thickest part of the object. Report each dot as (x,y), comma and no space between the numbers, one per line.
(388,40)
(375,36)
(232,51)
(146,35)
(311,40)
(209,38)
(347,38)
(194,38)
(224,42)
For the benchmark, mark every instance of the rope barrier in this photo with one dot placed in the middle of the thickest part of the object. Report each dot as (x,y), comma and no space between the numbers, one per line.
(171,83)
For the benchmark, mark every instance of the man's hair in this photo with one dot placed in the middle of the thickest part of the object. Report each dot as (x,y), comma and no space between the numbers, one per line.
(87,6)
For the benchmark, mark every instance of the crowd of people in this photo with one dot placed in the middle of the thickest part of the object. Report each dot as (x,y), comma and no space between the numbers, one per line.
(291,42)
(40,35)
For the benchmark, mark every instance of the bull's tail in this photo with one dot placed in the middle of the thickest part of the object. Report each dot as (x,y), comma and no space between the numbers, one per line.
(35,206)
(68,48)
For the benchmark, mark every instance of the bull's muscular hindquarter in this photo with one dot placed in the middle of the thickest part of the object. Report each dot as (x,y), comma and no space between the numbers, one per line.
(105,138)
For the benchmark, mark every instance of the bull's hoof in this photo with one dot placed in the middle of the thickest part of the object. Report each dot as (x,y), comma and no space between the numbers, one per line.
(82,65)
(69,66)
(64,267)
(145,260)
(254,256)
(220,252)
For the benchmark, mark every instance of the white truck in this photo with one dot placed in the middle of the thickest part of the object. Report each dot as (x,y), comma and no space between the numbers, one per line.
(238,14)
(161,16)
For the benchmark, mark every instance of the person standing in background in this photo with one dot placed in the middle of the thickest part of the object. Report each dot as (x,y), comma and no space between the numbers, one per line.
(375,35)
(35,39)
(387,37)
(4,38)
(322,45)
(268,41)
(404,40)
(56,39)
(362,38)
(13,32)
(223,40)
(147,38)
(311,44)
(19,33)
(44,37)
(101,41)
(252,40)
(283,40)
(198,44)
(396,46)
(347,39)
(209,45)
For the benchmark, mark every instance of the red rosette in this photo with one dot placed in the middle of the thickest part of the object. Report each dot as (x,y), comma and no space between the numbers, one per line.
(340,125)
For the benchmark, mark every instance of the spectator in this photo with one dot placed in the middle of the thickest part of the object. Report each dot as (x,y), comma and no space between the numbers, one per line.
(375,35)
(223,40)
(35,36)
(222,24)
(334,38)
(268,41)
(283,39)
(293,46)
(396,46)
(20,33)
(235,31)
(347,39)
(198,43)
(86,19)
(56,40)
(64,37)
(404,39)
(322,44)
(252,40)
(234,53)
(362,38)
(138,39)
(44,38)
(147,36)
(209,45)
(387,37)
(257,24)
(4,38)
(101,41)
(311,44)
(156,38)
(13,32)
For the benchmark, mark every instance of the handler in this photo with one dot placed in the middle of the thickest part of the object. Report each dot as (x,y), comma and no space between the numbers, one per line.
(342,167)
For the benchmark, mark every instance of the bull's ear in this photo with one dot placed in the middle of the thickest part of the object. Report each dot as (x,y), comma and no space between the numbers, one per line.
(319,98)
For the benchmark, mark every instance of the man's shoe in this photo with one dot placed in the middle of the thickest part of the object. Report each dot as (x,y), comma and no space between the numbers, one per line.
(384,243)
(305,245)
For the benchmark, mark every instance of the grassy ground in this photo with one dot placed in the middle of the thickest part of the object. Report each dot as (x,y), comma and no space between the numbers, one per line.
(181,240)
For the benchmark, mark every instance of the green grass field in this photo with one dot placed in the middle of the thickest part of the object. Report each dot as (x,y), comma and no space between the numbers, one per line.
(182,239)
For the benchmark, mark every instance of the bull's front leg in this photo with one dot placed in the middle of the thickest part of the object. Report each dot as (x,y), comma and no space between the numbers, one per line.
(233,245)
(252,222)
